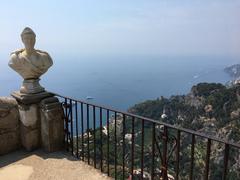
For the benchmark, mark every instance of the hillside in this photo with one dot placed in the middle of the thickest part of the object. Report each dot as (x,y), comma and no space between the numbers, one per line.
(209,108)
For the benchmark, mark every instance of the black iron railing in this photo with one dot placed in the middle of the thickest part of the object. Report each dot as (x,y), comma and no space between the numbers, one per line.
(128,146)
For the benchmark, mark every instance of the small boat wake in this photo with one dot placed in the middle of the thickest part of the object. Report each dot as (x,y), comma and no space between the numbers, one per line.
(89,98)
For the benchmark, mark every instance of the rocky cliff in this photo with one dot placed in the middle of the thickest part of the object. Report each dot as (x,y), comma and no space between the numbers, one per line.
(212,109)
(209,108)
(234,72)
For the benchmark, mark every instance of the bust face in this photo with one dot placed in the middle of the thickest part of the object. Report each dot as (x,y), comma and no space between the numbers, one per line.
(29,41)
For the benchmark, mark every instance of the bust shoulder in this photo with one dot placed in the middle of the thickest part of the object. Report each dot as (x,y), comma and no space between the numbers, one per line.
(14,58)
(42,53)
(15,55)
(45,56)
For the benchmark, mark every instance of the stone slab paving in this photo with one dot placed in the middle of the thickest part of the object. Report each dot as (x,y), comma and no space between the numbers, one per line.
(38,165)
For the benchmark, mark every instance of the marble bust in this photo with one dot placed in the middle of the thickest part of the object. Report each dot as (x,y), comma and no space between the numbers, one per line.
(30,63)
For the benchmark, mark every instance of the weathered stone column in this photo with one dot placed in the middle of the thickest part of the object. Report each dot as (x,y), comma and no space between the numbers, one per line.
(30,118)
(52,127)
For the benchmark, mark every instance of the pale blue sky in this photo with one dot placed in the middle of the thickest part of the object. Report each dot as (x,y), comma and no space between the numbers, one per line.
(142,27)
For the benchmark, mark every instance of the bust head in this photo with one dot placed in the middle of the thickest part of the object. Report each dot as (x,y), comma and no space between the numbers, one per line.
(28,39)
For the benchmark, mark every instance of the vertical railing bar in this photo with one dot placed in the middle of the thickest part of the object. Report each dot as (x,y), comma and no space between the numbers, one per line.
(88,151)
(94,135)
(82,131)
(133,142)
(142,149)
(153,151)
(192,157)
(226,157)
(207,159)
(71,121)
(76,116)
(165,155)
(123,155)
(115,144)
(101,152)
(66,125)
(177,153)
(108,142)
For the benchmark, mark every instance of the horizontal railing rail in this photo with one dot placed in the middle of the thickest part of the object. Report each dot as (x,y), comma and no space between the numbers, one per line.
(125,145)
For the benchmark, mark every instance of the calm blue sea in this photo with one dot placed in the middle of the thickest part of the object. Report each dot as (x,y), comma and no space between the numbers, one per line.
(121,82)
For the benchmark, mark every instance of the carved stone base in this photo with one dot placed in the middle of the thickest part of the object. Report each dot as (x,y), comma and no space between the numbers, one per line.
(30,137)
(52,124)
(41,121)
(31,86)
(30,98)
(29,126)
(30,120)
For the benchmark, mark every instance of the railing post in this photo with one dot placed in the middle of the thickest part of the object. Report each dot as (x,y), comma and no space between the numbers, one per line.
(71,125)
(65,106)
(108,136)
(192,157)
(76,118)
(88,149)
(153,150)
(115,144)
(164,163)
(226,156)
(142,149)
(177,153)
(207,159)
(101,142)
(94,135)
(133,144)
(123,146)
(82,129)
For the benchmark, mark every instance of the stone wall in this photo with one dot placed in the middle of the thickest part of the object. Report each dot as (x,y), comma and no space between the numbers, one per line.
(9,125)
(31,121)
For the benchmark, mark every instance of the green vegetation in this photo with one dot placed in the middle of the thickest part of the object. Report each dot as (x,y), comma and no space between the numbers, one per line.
(209,108)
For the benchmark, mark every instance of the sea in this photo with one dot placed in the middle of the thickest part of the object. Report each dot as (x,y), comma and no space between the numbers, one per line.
(122,81)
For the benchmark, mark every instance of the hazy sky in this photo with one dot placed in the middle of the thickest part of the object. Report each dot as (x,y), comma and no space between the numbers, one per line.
(143,27)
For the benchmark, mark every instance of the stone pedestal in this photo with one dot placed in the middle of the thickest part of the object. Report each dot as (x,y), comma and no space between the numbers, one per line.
(30,98)
(29,126)
(41,121)
(31,86)
(52,124)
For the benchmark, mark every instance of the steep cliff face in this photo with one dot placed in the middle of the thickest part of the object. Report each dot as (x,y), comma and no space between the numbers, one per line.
(233,71)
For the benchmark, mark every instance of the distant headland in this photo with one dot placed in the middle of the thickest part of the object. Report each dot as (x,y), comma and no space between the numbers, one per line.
(234,72)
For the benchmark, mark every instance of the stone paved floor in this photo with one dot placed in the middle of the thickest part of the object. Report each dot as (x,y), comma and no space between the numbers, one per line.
(21,165)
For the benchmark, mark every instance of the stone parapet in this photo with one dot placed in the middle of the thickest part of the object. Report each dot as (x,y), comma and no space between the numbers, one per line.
(9,125)
(52,125)
(41,121)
